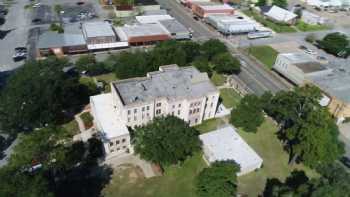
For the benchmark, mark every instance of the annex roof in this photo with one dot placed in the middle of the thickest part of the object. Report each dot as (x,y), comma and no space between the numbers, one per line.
(138,30)
(152,18)
(170,81)
(226,144)
(52,39)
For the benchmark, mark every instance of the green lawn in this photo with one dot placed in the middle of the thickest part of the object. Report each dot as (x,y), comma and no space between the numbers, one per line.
(177,181)
(87,119)
(275,160)
(306,27)
(265,54)
(218,79)
(230,98)
(210,125)
(109,77)
(72,127)
(277,27)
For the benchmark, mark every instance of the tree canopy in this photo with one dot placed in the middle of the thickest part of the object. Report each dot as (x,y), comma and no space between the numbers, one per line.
(218,180)
(213,47)
(248,114)
(336,44)
(88,64)
(225,63)
(158,141)
(307,128)
(280,3)
(261,3)
(38,94)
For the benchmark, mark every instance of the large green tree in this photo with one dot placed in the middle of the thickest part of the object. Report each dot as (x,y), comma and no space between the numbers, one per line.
(169,52)
(248,114)
(335,43)
(307,129)
(218,180)
(213,47)
(38,94)
(166,140)
(225,63)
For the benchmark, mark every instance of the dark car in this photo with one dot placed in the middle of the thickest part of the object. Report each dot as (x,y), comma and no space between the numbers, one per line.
(195,18)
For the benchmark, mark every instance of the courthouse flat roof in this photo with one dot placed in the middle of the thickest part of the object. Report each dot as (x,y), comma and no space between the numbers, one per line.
(170,82)
(106,116)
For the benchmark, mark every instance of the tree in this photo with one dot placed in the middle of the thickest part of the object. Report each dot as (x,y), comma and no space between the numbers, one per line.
(168,52)
(158,141)
(280,3)
(307,129)
(202,65)
(248,114)
(38,94)
(191,49)
(261,3)
(336,44)
(213,47)
(56,27)
(226,63)
(88,64)
(218,180)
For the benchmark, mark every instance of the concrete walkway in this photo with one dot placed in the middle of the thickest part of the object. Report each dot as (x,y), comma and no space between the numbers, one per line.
(146,167)
(84,134)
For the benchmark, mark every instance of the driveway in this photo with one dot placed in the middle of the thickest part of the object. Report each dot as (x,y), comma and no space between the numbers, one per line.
(146,167)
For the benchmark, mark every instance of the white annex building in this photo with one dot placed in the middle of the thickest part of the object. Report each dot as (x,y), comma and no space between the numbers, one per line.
(184,92)
(226,144)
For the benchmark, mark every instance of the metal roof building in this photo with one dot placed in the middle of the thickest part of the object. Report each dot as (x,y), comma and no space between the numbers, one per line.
(226,144)
(227,24)
(281,15)
(176,29)
(97,29)
(152,18)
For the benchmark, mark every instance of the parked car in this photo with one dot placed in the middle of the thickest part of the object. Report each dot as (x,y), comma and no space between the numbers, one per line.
(311,52)
(20,54)
(195,18)
(302,47)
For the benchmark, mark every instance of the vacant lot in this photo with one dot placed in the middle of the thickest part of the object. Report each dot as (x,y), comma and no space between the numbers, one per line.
(301,26)
(177,181)
(275,164)
(265,54)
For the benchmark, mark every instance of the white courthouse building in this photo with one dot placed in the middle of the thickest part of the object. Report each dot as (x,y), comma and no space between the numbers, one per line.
(180,91)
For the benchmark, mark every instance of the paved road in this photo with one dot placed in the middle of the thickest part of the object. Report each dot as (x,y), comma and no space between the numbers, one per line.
(255,77)
(17,20)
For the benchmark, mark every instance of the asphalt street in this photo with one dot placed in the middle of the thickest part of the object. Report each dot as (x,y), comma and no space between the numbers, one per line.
(253,75)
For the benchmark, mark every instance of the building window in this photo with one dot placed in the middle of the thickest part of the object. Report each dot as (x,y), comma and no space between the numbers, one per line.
(173,106)
(191,105)
(123,140)
(158,111)
(117,142)
(147,114)
(179,104)
(190,111)
(124,147)
(159,104)
(135,110)
(211,104)
(178,112)
(147,107)
(111,144)
(143,108)
(196,120)
(118,149)
(128,119)
(112,150)
(197,110)
(129,112)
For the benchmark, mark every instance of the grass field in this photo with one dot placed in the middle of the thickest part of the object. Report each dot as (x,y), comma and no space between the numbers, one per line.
(275,160)
(265,54)
(218,79)
(72,127)
(109,77)
(301,26)
(177,181)
(209,125)
(230,98)
(277,27)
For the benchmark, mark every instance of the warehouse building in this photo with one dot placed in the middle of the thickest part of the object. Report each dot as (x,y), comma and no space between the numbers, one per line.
(225,144)
(142,34)
(205,9)
(53,43)
(281,15)
(101,35)
(230,24)
(176,29)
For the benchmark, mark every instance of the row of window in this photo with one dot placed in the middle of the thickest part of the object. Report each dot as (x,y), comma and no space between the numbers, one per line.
(118,149)
(195,104)
(135,110)
(117,142)
(194,111)
(142,117)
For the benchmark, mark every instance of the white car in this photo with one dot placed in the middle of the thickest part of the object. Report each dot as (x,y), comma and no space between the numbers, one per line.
(311,52)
